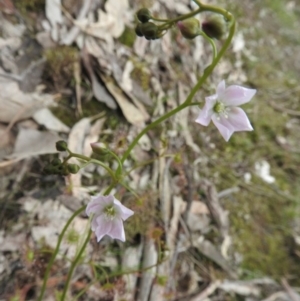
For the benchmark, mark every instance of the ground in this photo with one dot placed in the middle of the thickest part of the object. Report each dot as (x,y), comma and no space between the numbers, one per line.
(240,240)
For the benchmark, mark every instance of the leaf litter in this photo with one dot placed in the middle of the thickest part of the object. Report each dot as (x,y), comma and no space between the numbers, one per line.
(190,219)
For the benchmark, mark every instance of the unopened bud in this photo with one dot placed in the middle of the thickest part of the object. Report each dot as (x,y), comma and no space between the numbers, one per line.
(61,146)
(189,28)
(56,162)
(138,30)
(99,148)
(62,170)
(73,168)
(214,27)
(143,15)
(149,30)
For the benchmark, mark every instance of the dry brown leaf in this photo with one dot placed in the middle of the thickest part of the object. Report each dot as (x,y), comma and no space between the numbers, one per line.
(16,105)
(47,119)
(131,261)
(76,144)
(130,111)
(54,15)
(98,89)
(31,143)
(149,259)
(211,252)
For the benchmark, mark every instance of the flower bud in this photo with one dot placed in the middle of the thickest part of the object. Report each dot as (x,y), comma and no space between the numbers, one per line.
(214,27)
(189,28)
(149,30)
(62,170)
(61,146)
(99,148)
(138,30)
(143,15)
(56,162)
(73,168)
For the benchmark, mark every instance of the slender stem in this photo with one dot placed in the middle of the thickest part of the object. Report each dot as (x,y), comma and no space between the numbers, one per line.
(74,264)
(211,67)
(90,160)
(149,127)
(66,159)
(156,19)
(120,167)
(212,43)
(183,17)
(129,189)
(60,238)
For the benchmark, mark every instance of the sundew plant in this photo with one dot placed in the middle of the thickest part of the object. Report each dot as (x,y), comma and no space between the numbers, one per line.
(106,213)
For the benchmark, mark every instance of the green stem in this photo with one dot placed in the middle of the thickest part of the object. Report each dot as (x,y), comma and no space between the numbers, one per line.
(183,17)
(120,167)
(90,160)
(60,238)
(73,266)
(149,127)
(212,43)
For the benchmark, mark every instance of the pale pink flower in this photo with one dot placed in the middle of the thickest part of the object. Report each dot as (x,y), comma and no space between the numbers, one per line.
(222,109)
(108,215)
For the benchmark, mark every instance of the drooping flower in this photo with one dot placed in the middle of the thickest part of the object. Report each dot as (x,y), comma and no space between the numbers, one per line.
(222,109)
(108,215)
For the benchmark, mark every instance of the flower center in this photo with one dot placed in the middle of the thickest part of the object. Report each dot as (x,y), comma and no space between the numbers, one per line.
(221,110)
(219,107)
(110,212)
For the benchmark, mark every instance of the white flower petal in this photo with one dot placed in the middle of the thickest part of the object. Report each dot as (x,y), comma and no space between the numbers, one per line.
(239,120)
(236,95)
(205,114)
(94,207)
(221,88)
(124,211)
(104,226)
(117,229)
(94,223)
(224,127)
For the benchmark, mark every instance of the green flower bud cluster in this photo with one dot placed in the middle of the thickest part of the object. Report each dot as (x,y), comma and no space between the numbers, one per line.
(147,29)
(56,167)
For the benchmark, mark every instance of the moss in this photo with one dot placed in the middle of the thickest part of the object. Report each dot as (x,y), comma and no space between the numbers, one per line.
(59,65)
(262,226)
(31,5)
(141,76)
(145,217)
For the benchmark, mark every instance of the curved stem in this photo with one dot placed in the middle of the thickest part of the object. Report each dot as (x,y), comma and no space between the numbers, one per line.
(149,127)
(56,251)
(74,264)
(90,160)
(212,43)
(120,167)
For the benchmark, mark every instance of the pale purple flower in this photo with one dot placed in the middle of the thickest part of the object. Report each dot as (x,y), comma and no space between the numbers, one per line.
(222,109)
(108,215)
